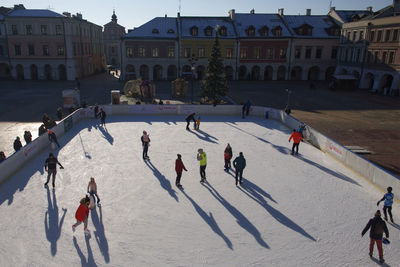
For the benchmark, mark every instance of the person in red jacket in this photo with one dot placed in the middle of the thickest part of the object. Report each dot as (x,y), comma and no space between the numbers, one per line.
(297,137)
(82,214)
(179,167)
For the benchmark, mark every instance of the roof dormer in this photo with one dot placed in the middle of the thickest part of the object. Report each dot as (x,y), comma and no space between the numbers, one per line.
(251,31)
(263,31)
(194,31)
(277,31)
(304,30)
(208,31)
(155,31)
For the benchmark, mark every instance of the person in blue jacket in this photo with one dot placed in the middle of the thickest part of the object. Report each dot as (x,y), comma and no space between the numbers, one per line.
(387,205)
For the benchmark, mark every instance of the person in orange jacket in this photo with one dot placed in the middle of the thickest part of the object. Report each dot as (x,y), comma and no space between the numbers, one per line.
(82,214)
(297,137)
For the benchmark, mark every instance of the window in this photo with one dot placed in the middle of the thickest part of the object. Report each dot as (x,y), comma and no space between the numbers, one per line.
(308,52)
(31,50)
(358,54)
(171,51)
(348,36)
(277,31)
(282,53)
(170,31)
(154,52)
(223,31)
(395,35)
(194,31)
(229,53)
(297,52)
(243,52)
(318,52)
(257,52)
(334,52)
(372,36)
(251,31)
(355,36)
(387,35)
(59,30)
(187,52)
(28,29)
(351,55)
(142,52)
(45,50)
(264,31)
(391,57)
(60,50)
(361,35)
(384,56)
(17,50)
(155,31)
(14,29)
(376,54)
(43,29)
(369,55)
(208,31)
(201,52)
(379,36)
(270,53)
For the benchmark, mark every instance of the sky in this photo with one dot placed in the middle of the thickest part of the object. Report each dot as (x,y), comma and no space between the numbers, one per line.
(133,13)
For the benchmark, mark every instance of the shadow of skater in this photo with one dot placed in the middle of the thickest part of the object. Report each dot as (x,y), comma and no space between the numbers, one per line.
(328,171)
(87,155)
(164,182)
(205,136)
(51,225)
(90,259)
(240,218)
(274,212)
(106,134)
(99,233)
(209,219)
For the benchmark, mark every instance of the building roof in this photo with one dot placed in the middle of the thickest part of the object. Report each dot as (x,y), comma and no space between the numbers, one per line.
(34,13)
(244,21)
(385,12)
(204,22)
(352,15)
(319,24)
(113,24)
(149,29)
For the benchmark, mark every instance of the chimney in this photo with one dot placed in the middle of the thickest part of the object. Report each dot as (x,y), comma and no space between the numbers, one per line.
(369,9)
(308,11)
(67,14)
(280,12)
(333,8)
(252,11)
(20,6)
(232,14)
(79,15)
(179,15)
(166,16)
(396,6)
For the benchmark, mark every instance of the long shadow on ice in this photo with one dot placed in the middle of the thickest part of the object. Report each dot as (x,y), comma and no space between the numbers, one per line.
(274,212)
(99,233)
(240,218)
(164,182)
(106,134)
(209,219)
(90,260)
(204,136)
(51,225)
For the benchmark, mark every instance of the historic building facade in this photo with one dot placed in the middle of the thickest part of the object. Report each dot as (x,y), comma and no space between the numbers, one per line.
(5,71)
(112,41)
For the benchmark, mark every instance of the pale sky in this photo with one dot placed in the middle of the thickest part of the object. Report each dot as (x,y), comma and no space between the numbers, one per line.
(133,13)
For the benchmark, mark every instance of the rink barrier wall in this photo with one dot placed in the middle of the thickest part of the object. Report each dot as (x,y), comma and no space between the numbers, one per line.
(370,171)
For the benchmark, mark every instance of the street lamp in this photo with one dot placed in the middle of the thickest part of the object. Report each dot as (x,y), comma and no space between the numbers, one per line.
(192,61)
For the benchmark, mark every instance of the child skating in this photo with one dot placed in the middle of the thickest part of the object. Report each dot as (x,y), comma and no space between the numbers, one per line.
(387,205)
(92,189)
(197,124)
(82,215)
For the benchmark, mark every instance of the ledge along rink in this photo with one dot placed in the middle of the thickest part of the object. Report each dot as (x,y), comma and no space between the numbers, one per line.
(305,210)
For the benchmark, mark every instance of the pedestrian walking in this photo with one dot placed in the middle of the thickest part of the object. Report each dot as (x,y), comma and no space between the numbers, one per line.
(179,167)
(188,119)
(17,144)
(50,165)
(2,156)
(103,116)
(239,164)
(59,113)
(145,144)
(202,157)
(387,205)
(82,215)
(53,138)
(378,227)
(27,137)
(228,157)
(297,137)
(92,189)
(248,105)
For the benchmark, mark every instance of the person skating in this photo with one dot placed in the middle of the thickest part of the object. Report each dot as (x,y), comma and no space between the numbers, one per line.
(92,189)
(2,156)
(145,143)
(27,137)
(103,116)
(243,110)
(297,137)
(82,214)
(188,119)
(228,157)
(17,144)
(50,165)
(42,129)
(202,157)
(59,113)
(179,167)
(378,227)
(53,137)
(239,164)
(387,205)
(248,105)
(96,111)
(197,124)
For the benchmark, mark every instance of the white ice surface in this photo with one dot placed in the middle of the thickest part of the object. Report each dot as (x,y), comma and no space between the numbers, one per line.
(307,210)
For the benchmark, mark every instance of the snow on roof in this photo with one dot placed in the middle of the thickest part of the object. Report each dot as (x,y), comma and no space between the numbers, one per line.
(243,21)
(319,24)
(203,22)
(34,13)
(159,27)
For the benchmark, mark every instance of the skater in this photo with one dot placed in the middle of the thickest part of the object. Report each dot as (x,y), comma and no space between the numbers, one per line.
(50,165)
(53,138)
(45,119)
(96,111)
(248,105)
(82,215)
(197,124)
(243,110)
(103,116)
(188,119)
(2,156)
(42,129)
(17,144)
(202,157)
(27,137)
(302,127)
(145,143)
(179,167)
(92,188)
(378,227)
(59,113)
(297,137)
(228,157)
(387,205)
(239,164)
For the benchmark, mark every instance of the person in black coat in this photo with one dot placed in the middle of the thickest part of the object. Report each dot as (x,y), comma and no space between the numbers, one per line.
(189,118)
(96,111)
(239,164)
(53,137)
(59,113)
(42,129)
(378,227)
(17,144)
(50,165)
(103,116)
(27,137)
